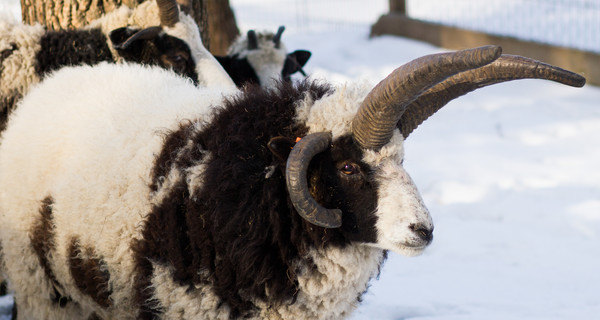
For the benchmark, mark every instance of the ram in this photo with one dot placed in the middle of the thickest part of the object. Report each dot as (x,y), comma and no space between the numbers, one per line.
(163,200)
(261,58)
(153,33)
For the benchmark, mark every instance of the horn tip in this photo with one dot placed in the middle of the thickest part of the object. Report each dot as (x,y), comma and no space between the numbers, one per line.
(491,52)
(578,81)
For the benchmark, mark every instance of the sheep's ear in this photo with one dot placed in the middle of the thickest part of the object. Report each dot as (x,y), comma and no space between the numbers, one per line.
(301,56)
(294,62)
(281,147)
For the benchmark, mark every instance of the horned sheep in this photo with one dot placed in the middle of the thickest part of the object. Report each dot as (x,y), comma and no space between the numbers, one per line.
(262,58)
(169,201)
(154,33)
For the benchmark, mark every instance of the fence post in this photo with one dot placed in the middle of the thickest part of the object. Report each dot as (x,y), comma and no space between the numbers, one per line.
(398,6)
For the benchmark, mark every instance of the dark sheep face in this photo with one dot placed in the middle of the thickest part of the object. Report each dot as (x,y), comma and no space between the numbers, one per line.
(155,48)
(338,178)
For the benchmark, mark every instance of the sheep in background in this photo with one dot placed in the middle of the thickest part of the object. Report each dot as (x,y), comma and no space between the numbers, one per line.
(167,201)
(262,59)
(154,33)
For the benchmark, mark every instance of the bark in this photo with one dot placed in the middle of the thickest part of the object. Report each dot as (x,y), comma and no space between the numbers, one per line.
(68,14)
(221,26)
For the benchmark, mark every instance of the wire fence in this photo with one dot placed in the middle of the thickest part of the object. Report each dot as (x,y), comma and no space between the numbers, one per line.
(567,23)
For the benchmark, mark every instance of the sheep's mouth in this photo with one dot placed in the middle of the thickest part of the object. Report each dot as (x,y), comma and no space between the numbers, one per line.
(411,249)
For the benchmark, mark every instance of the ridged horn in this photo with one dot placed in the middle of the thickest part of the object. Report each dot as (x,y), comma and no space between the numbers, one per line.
(252,40)
(379,113)
(277,37)
(506,68)
(296,180)
(168,12)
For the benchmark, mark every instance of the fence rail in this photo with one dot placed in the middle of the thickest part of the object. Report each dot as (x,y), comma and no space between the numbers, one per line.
(585,61)
(567,23)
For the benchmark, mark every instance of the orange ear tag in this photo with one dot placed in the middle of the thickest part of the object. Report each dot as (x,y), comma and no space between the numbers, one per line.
(298,139)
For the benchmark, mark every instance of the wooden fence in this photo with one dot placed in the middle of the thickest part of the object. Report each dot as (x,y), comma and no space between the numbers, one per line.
(396,22)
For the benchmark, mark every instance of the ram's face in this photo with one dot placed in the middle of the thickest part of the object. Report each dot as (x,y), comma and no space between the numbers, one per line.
(379,202)
(355,180)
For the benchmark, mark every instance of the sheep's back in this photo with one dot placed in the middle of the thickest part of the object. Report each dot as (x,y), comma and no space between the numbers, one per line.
(86,138)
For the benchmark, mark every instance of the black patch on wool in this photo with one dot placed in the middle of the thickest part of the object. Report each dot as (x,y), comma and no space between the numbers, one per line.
(7,52)
(239,232)
(72,47)
(94,316)
(239,70)
(8,101)
(89,273)
(7,104)
(43,243)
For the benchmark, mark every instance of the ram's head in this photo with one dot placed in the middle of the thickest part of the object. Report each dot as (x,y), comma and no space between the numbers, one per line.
(347,174)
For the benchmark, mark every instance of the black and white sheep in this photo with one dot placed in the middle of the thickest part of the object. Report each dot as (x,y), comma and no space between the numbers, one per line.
(153,33)
(262,59)
(163,200)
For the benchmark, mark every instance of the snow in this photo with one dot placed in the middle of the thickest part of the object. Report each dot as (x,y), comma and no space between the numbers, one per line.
(510,175)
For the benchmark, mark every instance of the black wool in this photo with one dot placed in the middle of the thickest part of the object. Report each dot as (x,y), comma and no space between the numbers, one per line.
(73,47)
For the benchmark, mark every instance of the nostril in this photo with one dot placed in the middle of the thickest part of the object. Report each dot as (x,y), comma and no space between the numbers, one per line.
(423,231)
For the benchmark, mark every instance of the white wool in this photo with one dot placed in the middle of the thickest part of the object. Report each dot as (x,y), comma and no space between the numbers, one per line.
(94,159)
(18,69)
(335,111)
(400,204)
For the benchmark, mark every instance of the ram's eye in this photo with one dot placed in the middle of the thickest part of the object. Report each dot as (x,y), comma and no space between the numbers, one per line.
(349,169)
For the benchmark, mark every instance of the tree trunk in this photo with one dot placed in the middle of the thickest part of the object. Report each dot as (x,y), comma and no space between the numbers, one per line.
(214,17)
(221,26)
(68,14)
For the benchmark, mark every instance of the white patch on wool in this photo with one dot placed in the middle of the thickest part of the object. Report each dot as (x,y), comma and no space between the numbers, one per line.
(400,205)
(210,72)
(333,112)
(18,69)
(181,302)
(330,289)
(195,176)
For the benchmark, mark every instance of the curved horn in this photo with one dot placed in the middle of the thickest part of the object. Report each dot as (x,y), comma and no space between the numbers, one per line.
(277,37)
(144,34)
(296,180)
(168,11)
(375,121)
(506,68)
(252,40)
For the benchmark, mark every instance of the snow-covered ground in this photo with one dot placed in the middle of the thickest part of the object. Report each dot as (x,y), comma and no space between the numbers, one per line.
(511,176)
